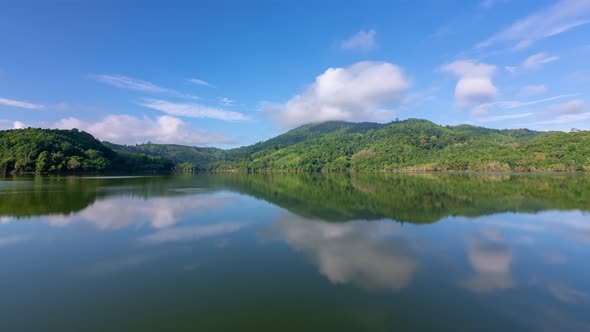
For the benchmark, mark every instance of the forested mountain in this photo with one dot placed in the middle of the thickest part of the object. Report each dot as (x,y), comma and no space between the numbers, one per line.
(412,144)
(53,150)
(176,153)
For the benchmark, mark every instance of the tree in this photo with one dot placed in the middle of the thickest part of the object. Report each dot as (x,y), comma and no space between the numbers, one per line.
(43,162)
(74,163)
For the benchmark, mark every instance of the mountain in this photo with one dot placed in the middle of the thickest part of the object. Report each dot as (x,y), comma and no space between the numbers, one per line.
(413,144)
(53,150)
(176,153)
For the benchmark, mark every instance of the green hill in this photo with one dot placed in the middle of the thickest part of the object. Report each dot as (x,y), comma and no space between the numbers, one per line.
(198,156)
(412,144)
(53,150)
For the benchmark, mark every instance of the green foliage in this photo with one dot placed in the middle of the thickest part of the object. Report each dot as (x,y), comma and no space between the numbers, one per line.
(334,146)
(51,150)
(186,167)
(199,157)
(412,144)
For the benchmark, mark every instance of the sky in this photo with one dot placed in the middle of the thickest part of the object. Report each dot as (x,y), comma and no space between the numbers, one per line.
(232,73)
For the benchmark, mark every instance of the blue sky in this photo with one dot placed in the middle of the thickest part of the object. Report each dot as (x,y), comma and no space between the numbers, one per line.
(229,73)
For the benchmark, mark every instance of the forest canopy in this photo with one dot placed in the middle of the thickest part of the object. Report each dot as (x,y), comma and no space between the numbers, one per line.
(413,144)
(333,146)
(54,151)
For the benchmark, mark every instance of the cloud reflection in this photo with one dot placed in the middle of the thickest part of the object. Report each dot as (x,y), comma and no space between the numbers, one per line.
(359,253)
(13,239)
(574,225)
(190,233)
(490,259)
(566,294)
(118,264)
(119,212)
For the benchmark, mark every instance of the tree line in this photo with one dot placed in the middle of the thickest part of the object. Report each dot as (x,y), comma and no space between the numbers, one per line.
(34,150)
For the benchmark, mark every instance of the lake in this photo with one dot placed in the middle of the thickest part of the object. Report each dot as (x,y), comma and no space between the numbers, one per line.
(296,252)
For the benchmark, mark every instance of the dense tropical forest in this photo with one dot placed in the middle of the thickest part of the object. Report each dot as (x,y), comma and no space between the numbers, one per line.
(56,151)
(410,145)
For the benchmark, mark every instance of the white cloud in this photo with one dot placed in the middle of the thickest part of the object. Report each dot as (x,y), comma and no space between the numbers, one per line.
(20,104)
(537,60)
(550,21)
(227,102)
(512,104)
(531,90)
(505,117)
(511,69)
(129,129)
(482,109)
(561,116)
(125,82)
(475,82)
(361,92)
(571,107)
(565,119)
(362,41)
(192,110)
(18,125)
(517,104)
(200,82)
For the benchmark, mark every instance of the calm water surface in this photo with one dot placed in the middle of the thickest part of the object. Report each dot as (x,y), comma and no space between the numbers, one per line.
(288,252)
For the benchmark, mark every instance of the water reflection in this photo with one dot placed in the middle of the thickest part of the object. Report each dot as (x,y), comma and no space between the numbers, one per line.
(118,264)
(490,258)
(13,239)
(119,212)
(566,294)
(122,212)
(410,252)
(179,234)
(415,198)
(371,255)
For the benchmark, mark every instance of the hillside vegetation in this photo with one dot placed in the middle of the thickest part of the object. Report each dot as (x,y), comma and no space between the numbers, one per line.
(402,145)
(176,153)
(410,145)
(52,151)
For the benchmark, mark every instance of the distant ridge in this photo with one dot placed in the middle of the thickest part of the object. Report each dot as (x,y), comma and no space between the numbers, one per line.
(409,145)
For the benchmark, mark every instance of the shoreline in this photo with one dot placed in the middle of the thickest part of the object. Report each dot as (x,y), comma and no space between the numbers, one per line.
(246,171)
